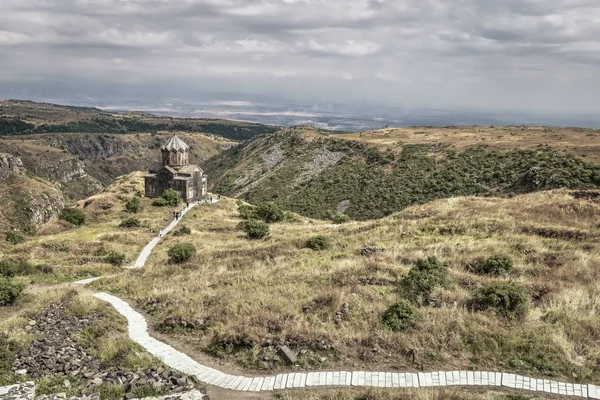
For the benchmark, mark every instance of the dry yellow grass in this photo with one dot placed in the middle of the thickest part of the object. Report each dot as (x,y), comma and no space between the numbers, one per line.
(573,141)
(238,296)
(68,253)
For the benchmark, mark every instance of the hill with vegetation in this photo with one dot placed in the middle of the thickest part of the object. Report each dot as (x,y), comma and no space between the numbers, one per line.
(461,283)
(373,174)
(19,117)
(504,284)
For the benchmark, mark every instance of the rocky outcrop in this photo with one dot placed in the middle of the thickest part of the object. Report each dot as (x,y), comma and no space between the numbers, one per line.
(10,164)
(45,207)
(58,350)
(28,202)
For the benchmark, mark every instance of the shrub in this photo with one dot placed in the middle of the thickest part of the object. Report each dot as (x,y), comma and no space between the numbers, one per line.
(246,211)
(14,238)
(133,206)
(423,278)
(318,243)
(270,212)
(181,252)
(160,202)
(17,268)
(507,298)
(183,230)
(340,218)
(9,291)
(114,258)
(256,229)
(73,216)
(8,352)
(400,316)
(171,197)
(494,265)
(130,223)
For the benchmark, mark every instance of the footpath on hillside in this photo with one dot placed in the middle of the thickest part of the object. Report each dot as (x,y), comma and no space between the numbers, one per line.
(138,332)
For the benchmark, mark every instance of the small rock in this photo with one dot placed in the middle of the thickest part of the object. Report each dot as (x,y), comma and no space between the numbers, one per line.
(21,372)
(287,354)
(67,383)
(97,381)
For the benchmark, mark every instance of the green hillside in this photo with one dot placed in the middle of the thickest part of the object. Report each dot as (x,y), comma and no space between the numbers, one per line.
(318,174)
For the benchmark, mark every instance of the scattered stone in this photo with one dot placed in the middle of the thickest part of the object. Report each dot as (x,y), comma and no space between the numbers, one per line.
(368,250)
(287,354)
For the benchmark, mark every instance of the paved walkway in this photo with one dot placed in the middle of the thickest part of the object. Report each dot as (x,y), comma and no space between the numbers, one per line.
(141,261)
(138,332)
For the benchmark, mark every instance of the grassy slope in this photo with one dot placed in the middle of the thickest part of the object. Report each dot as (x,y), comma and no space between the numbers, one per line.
(295,169)
(238,295)
(75,253)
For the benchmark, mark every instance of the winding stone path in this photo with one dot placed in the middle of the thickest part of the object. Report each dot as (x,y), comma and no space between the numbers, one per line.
(138,332)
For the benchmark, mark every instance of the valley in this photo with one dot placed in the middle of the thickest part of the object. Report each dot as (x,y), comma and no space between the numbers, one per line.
(413,250)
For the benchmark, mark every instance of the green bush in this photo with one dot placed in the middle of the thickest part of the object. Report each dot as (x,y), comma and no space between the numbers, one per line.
(423,278)
(340,218)
(183,230)
(181,252)
(73,216)
(133,206)
(114,258)
(246,211)
(9,291)
(17,268)
(160,202)
(270,212)
(494,265)
(507,298)
(400,316)
(130,223)
(171,197)
(14,238)
(256,229)
(318,243)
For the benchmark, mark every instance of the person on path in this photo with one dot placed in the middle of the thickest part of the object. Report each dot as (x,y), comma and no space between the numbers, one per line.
(160,234)
(187,205)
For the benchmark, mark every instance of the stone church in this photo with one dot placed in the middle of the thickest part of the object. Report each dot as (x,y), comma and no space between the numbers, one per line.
(176,173)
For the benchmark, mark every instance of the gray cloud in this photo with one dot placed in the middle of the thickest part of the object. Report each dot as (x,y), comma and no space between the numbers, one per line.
(525,54)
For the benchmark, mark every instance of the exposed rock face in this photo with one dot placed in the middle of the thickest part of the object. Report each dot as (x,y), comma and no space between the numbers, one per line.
(10,164)
(28,202)
(45,207)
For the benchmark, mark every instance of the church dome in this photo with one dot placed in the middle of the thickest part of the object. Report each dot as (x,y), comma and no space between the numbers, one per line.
(175,144)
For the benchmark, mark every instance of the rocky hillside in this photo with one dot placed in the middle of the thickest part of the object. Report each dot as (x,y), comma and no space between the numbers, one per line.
(26,117)
(316,174)
(83,164)
(27,202)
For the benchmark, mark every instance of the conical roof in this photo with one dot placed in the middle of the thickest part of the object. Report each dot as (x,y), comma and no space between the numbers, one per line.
(175,144)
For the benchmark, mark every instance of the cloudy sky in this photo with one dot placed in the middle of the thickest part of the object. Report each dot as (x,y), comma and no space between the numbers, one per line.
(538,55)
